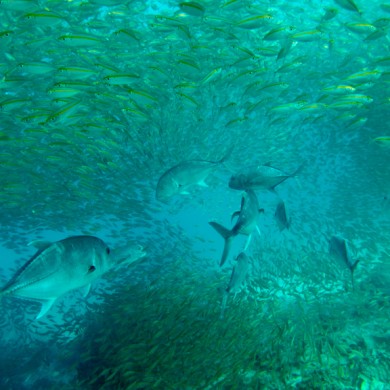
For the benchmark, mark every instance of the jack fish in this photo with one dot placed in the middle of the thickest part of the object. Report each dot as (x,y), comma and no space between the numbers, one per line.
(179,178)
(338,248)
(60,267)
(246,223)
(262,177)
(237,278)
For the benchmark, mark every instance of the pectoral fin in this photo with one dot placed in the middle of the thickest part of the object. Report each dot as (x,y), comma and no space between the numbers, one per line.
(202,183)
(86,290)
(46,305)
(248,241)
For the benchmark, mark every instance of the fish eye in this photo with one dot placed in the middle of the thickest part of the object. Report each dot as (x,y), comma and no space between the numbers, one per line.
(108,250)
(91,268)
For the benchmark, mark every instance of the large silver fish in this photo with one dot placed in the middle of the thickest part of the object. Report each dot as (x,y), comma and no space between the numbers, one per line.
(237,278)
(62,266)
(246,222)
(338,248)
(262,177)
(179,178)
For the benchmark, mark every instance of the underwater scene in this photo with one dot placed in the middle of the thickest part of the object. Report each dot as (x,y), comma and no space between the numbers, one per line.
(194,194)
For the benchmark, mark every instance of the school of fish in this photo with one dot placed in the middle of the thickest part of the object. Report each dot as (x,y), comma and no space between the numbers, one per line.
(240,149)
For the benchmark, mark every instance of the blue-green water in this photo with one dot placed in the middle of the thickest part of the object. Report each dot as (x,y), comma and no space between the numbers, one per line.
(99,98)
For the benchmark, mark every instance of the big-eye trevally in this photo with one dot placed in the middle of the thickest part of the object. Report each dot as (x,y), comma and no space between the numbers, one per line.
(179,178)
(64,265)
(261,177)
(237,278)
(338,248)
(246,223)
(281,216)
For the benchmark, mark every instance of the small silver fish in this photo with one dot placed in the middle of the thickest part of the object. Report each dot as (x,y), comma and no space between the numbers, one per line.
(237,278)
(246,223)
(179,178)
(281,216)
(59,267)
(262,177)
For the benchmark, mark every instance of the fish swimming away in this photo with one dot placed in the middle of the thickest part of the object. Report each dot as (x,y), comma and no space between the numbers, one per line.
(281,216)
(179,178)
(261,177)
(338,248)
(246,223)
(237,278)
(62,266)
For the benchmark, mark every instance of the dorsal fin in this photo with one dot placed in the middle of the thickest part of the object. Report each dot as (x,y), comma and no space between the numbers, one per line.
(39,244)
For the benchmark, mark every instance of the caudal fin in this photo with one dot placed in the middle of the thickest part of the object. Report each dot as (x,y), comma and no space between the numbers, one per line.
(227,236)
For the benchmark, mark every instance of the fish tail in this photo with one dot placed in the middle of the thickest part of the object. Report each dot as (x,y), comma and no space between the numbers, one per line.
(223,305)
(227,236)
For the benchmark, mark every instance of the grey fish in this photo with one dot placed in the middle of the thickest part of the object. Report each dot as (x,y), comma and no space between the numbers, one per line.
(179,178)
(237,278)
(262,177)
(59,267)
(246,223)
(281,216)
(338,248)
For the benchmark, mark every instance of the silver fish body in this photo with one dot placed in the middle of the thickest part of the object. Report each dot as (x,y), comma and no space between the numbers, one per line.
(237,279)
(239,273)
(246,222)
(179,178)
(58,268)
(262,177)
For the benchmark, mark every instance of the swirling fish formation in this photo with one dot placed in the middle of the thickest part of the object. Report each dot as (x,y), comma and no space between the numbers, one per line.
(179,178)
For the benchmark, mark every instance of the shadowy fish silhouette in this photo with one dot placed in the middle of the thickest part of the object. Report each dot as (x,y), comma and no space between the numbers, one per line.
(246,223)
(237,278)
(338,248)
(179,178)
(62,266)
(281,216)
(262,177)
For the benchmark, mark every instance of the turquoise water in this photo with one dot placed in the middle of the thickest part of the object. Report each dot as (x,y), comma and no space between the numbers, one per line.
(100,98)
